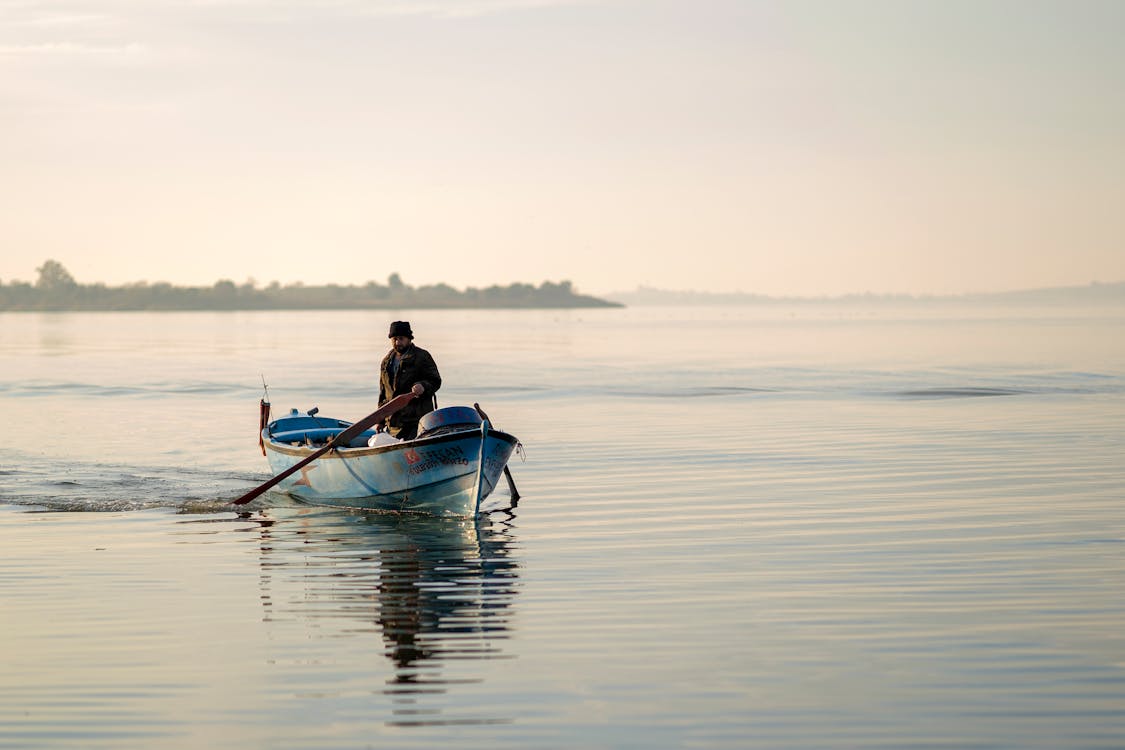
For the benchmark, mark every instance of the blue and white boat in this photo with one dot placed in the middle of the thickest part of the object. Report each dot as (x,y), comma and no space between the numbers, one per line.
(452,465)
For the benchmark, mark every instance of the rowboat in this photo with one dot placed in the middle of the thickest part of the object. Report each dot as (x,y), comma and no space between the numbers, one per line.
(452,465)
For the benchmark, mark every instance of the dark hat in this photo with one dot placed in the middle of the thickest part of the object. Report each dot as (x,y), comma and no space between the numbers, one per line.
(400,328)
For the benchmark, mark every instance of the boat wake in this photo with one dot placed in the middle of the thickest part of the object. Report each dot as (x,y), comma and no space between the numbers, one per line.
(88,487)
(95,487)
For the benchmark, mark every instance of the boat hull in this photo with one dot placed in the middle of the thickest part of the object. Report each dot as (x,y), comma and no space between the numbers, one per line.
(446,475)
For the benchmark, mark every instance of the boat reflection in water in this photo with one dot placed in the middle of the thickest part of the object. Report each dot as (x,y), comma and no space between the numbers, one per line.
(439,590)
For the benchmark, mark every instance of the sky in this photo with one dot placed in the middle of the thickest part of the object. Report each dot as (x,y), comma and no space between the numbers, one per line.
(811,147)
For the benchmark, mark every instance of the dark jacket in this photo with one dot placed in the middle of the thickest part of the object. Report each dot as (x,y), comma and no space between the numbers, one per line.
(415,366)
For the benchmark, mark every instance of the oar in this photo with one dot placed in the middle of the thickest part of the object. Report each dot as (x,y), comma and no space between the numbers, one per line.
(342,438)
(507,472)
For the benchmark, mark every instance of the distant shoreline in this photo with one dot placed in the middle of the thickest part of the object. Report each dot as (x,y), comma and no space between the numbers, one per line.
(57,291)
(1091,294)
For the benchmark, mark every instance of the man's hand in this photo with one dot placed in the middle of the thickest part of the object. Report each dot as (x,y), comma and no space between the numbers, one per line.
(417,389)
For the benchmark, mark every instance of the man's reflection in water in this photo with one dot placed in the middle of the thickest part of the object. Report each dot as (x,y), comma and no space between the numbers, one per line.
(437,589)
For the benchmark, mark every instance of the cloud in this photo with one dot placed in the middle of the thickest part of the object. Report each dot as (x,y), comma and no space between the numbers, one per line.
(49,20)
(38,15)
(74,49)
(465,8)
(433,8)
(65,30)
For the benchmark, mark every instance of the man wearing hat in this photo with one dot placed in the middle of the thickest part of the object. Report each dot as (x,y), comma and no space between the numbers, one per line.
(407,369)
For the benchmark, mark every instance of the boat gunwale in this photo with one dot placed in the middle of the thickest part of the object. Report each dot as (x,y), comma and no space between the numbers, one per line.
(342,452)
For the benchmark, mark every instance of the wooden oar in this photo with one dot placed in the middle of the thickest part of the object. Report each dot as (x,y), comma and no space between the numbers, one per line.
(507,472)
(342,438)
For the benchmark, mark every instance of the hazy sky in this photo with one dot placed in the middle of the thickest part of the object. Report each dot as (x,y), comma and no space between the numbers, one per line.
(816,147)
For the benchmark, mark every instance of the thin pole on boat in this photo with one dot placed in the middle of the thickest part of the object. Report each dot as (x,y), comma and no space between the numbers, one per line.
(263,415)
(507,472)
(480,466)
(342,438)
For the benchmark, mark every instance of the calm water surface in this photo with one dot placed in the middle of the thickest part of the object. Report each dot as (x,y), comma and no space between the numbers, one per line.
(788,527)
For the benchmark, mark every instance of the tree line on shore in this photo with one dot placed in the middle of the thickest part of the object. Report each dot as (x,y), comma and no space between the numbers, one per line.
(56,289)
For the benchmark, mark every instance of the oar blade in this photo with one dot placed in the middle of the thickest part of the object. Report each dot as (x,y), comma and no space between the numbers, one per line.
(276,479)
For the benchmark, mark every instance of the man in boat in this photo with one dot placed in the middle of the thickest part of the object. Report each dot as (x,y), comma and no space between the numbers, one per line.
(407,369)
